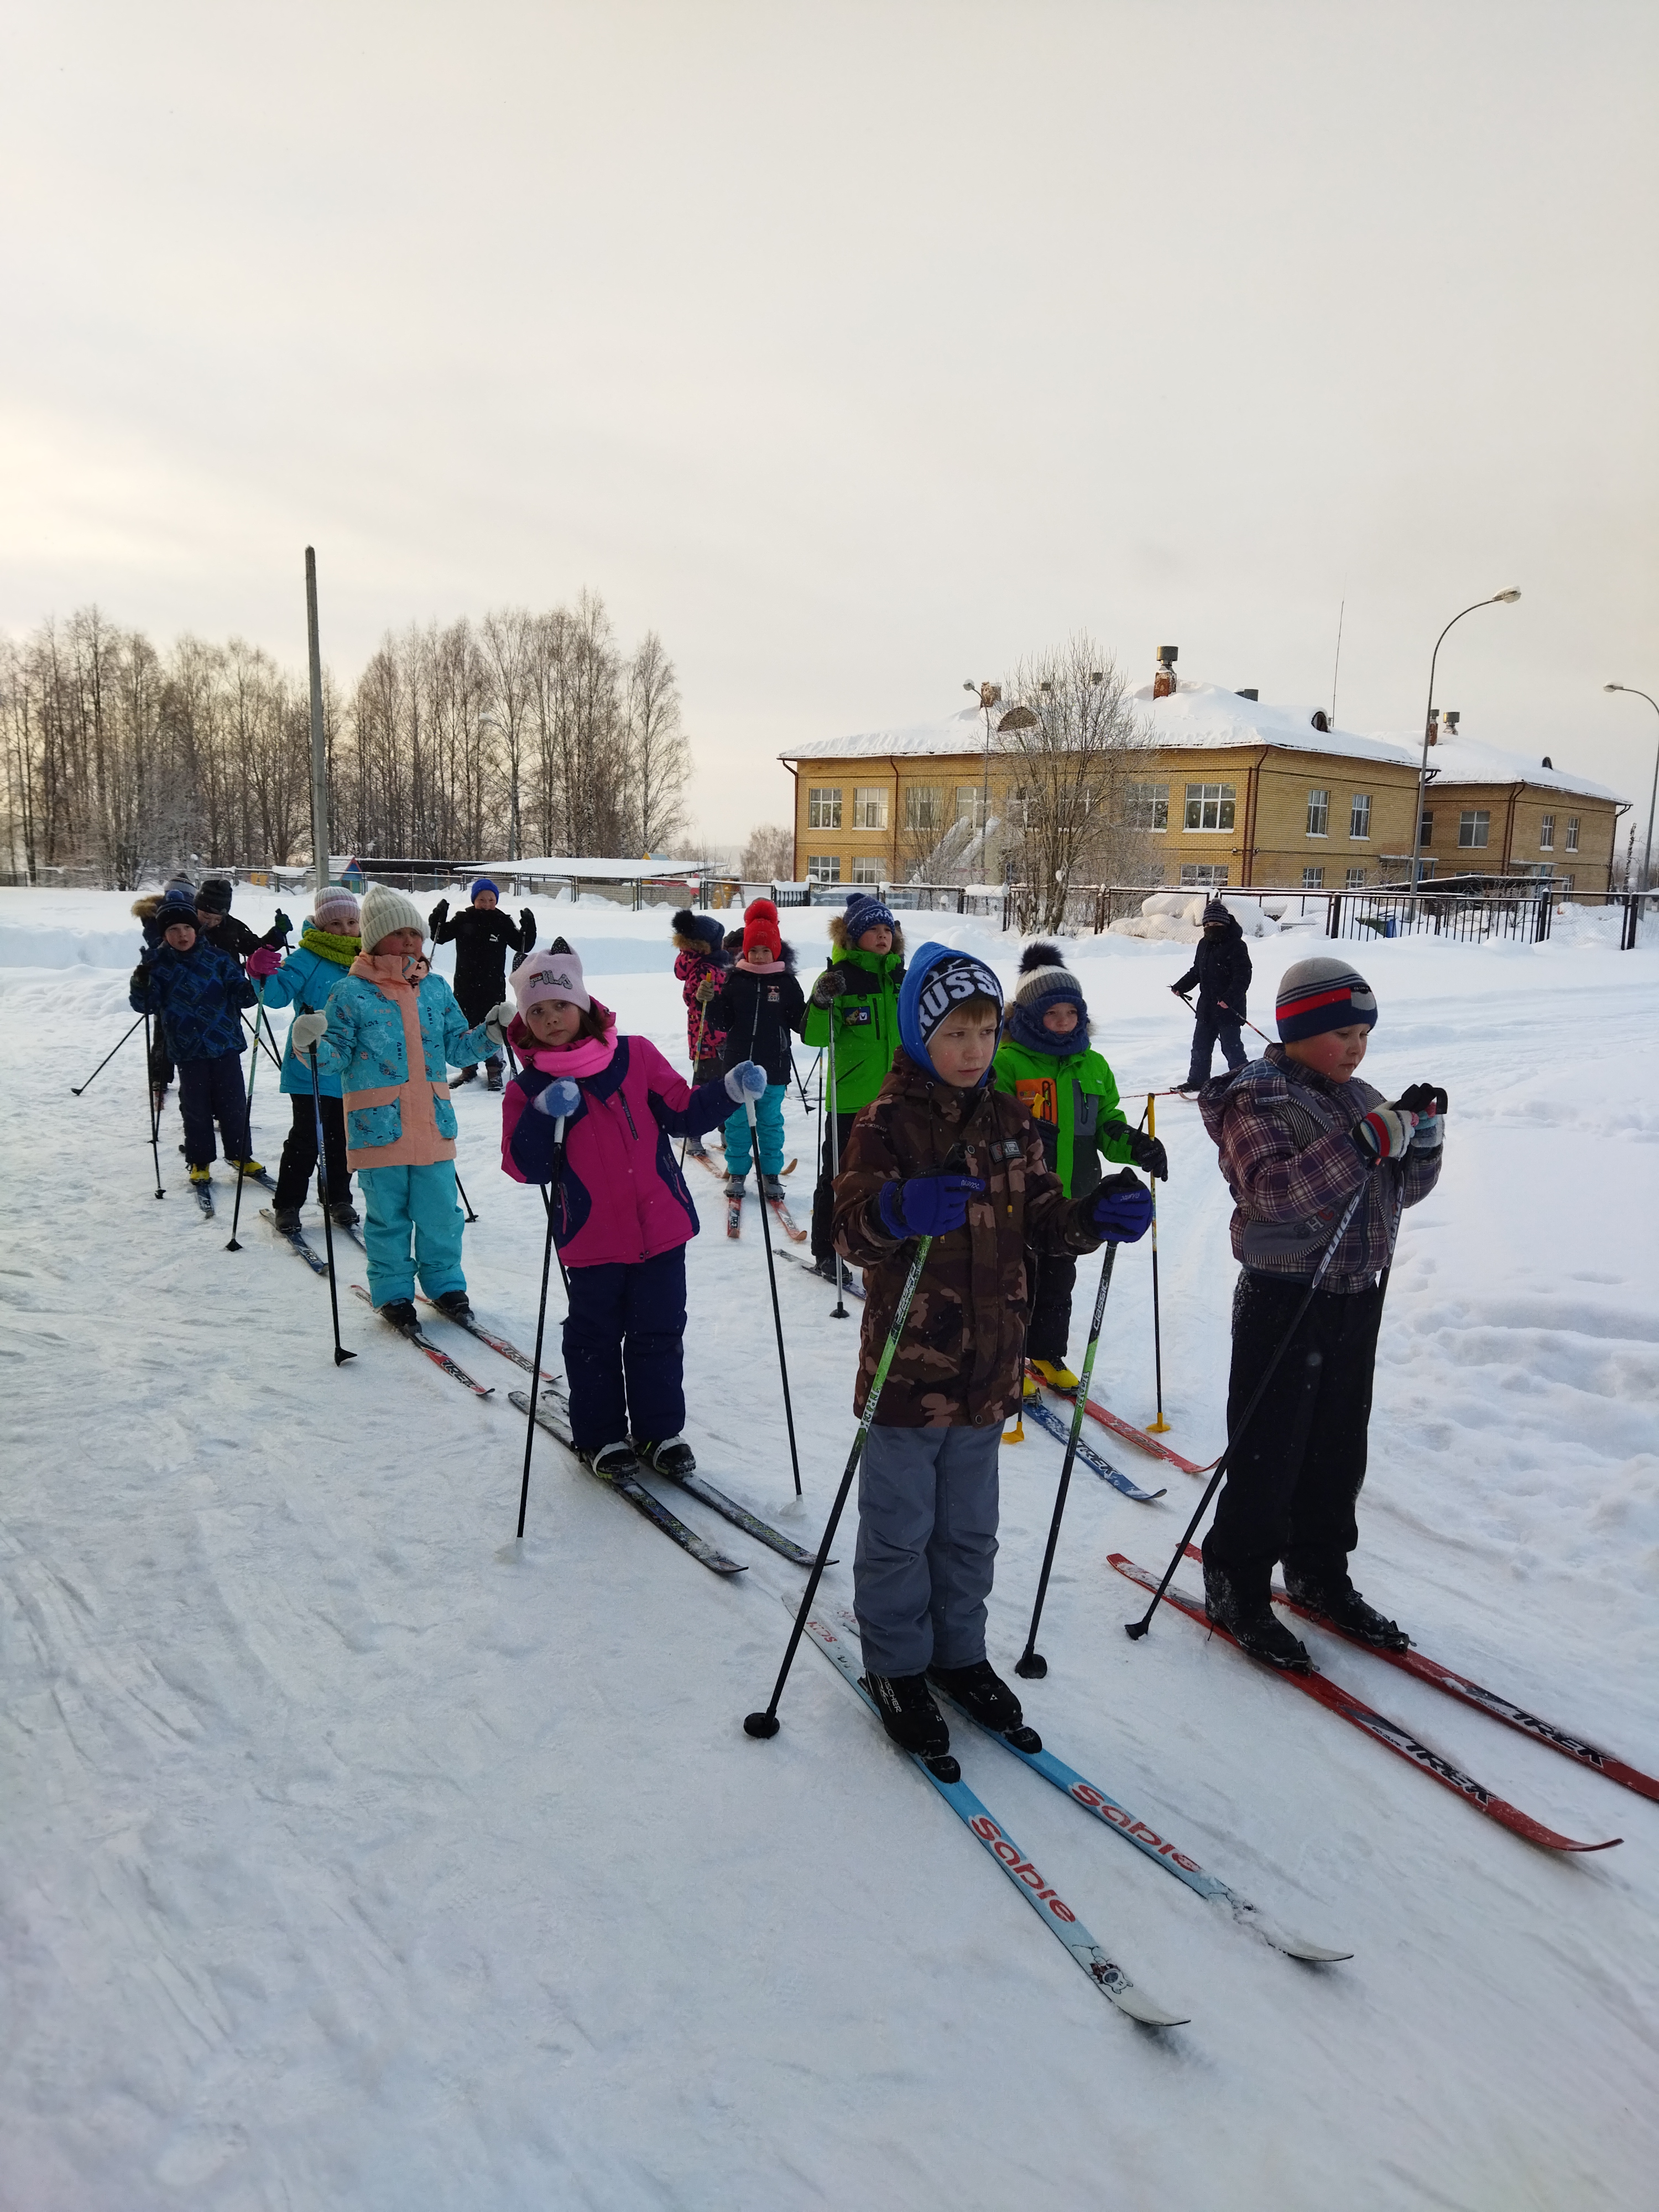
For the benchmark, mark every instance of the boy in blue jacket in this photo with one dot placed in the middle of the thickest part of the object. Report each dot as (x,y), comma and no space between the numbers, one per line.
(199,991)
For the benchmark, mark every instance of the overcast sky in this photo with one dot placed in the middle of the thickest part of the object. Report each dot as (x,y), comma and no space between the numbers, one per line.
(857,349)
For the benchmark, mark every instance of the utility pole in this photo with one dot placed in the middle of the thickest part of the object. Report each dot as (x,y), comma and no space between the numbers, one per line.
(318,760)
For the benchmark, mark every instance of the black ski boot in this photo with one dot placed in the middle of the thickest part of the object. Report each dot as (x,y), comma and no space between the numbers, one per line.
(1340,1603)
(455,1303)
(908,1713)
(493,1075)
(285,1219)
(1255,1626)
(674,1457)
(344,1216)
(982,1693)
(825,1266)
(613,1462)
(400,1312)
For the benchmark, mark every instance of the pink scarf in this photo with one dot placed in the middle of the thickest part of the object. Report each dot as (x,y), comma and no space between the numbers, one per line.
(761,967)
(587,1058)
(385,968)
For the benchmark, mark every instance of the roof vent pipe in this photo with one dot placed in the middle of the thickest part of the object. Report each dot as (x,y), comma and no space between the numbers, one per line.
(1252,691)
(1164,680)
(1453,717)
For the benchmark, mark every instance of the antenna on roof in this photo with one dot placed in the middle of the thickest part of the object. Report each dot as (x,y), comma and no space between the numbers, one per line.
(1337,664)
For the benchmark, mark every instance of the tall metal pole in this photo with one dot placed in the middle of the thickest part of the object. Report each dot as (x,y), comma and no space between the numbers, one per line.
(319,761)
(1653,797)
(1497,598)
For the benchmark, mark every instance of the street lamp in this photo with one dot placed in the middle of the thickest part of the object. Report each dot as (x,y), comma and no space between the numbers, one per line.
(988,694)
(1647,855)
(1498,600)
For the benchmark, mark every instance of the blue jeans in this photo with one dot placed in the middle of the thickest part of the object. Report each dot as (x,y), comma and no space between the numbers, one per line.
(624,1351)
(1213,1022)
(927,1543)
(401,1205)
(769,1127)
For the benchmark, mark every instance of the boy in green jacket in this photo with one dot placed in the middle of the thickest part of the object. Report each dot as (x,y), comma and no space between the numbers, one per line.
(853,1008)
(1046,1060)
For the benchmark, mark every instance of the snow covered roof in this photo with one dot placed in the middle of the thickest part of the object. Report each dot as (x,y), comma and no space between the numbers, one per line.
(1464,760)
(600,871)
(957,733)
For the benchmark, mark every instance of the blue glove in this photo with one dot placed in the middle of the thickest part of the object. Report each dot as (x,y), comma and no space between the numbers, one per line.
(560,1100)
(928,1205)
(1123,1210)
(746,1080)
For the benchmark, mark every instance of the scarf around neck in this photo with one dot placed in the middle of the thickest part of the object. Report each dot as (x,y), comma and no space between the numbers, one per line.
(388,969)
(589,1056)
(762,968)
(1025,1027)
(342,950)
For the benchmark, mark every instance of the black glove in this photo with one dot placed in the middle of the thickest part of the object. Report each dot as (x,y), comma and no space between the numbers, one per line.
(140,978)
(282,929)
(1148,1153)
(1423,1099)
(526,929)
(436,919)
(829,986)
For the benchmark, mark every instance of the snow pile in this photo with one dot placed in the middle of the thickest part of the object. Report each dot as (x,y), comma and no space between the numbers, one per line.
(1177,917)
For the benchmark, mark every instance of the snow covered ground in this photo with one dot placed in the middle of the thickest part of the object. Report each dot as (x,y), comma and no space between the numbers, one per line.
(351,1856)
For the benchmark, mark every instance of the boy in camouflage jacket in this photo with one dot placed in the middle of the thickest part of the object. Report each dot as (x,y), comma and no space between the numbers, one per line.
(940,1154)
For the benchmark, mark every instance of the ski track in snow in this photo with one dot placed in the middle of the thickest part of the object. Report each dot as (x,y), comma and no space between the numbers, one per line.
(354,1856)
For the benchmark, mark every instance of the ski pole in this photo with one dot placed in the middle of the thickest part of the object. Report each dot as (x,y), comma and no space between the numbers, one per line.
(838,1311)
(275,1058)
(772,1279)
(1245,1019)
(149,1094)
(541,1325)
(1136,1628)
(1031,1664)
(1158,1427)
(465,1200)
(766,1724)
(341,1355)
(75,1090)
(247,1123)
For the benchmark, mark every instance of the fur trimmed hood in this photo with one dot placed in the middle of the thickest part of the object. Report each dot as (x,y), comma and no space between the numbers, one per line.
(843,943)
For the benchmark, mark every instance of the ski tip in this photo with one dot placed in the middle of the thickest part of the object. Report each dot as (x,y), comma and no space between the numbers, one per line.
(1142,2010)
(1313,1955)
(1566,1843)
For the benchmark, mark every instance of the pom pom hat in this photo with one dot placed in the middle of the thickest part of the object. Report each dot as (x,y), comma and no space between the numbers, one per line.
(939,980)
(1321,995)
(335,909)
(555,974)
(1044,978)
(176,907)
(383,911)
(707,926)
(865,911)
(760,927)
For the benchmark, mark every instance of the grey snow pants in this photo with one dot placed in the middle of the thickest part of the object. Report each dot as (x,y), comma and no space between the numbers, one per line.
(928,1541)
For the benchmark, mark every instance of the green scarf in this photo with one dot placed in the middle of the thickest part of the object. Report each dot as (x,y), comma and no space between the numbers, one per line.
(342,950)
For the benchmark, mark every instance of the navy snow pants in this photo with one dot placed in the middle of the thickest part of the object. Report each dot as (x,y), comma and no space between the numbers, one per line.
(624,1351)
(211,1091)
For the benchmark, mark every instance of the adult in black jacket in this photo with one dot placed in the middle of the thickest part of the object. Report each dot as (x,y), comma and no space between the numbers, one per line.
(482,936)
(1221,970)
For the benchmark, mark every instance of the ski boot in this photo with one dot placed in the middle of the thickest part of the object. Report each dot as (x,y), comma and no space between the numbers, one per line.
(493,1076)
(1057,1375)
(1031,1389)
(400,1312)
(344,1216)
(1340,1603)
(673,1457)
(771,1189)
(466,1075)
(613,1462)
(248,1167)
(982,1693)
(825,1266)
(201,1175)
(285,1219)
(1256,1629)
(908,1713)
(734,1184)
(455,1303)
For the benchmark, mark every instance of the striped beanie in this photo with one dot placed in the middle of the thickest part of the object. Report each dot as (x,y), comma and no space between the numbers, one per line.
(1321,995)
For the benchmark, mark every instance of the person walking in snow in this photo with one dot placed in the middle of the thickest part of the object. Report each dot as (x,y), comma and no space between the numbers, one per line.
(198,991)
(329,943)
(853,1006)
(940,1153)
(622,1214)
(482,936)
(387,1040)
(1045,1060)
(220,926)
(1221,970)
(760,1007)
(700,966)
(1298,1136)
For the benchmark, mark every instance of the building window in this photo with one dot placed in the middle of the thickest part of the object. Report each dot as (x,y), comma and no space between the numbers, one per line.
(1547,834)
(823,867)
(921,807)
(1360,815)
(1572,833)
(1425,828)
(1203,875)
(1426,871)
(824,808)
(1145,806)
(1021,802)
(970,804)
(1210,806)
(1319,814)
(1313,879)
(1356,879)
(866,869)
(1473,827)
(870,807)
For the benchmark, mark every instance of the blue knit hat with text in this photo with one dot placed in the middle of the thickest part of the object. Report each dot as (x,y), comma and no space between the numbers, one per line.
(937,980)
(865,911)
(1320,994)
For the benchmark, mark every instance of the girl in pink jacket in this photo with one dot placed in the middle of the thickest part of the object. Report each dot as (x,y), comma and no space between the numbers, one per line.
(622,1213)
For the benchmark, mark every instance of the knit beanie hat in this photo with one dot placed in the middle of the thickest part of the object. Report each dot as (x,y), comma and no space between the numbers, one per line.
(705,926)
(383,911)
(555,974)
(1320,994)
(865,911)
(335,910)
(1044,978)
(760,927)
(177,906)
(938,980)
(483,884)
(214,895)
(1217,911)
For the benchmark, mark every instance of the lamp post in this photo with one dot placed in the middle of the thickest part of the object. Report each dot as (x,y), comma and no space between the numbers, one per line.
(1647,850)
(1498,600)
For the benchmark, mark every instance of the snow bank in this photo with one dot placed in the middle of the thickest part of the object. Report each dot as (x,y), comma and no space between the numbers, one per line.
(1177,917)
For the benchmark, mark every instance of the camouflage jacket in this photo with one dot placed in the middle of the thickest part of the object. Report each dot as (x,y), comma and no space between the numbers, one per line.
(958,1362)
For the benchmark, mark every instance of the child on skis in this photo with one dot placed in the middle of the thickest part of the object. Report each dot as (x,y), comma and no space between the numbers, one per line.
(1298,1138)
(1046,1061)
(622,1213)
(197,991)
(853,1008)
(760,1007)
(482,936)
(387,1039)
(1221,970)
(940,1153)
(700,966)
(329,943)
(221,928)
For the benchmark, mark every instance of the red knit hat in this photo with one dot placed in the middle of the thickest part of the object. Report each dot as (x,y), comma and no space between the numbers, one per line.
(760,927)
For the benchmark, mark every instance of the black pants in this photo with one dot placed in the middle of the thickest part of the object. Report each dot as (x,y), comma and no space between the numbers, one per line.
(211,1091)
(1054,1276)
(1294,1480)
(300,1154)
(1213,1022)
(823,1194)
